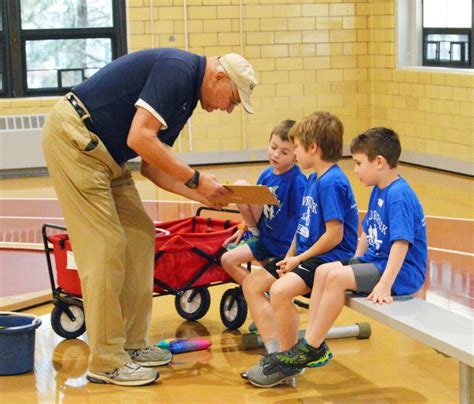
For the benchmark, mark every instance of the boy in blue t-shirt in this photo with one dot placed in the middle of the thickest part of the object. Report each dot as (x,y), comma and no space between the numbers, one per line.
(326,231)
(390,258)
(271,227)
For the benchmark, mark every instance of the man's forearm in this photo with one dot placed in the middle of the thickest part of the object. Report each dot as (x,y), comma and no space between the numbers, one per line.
(169,183)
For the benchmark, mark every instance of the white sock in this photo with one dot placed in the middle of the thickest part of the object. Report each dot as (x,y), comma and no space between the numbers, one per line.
(272,346)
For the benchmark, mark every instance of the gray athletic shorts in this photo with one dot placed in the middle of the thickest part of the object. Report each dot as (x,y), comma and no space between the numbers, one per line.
(366,274)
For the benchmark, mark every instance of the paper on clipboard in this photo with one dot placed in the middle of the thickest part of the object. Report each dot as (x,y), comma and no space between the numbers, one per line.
(250,194)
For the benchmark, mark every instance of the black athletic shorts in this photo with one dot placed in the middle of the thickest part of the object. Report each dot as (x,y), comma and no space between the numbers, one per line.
(305,270)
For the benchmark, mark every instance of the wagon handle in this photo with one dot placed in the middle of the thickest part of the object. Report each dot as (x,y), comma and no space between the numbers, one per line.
(47,251)
(201,208)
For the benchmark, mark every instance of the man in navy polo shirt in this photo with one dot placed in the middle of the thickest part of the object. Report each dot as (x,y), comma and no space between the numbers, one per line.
(135,106)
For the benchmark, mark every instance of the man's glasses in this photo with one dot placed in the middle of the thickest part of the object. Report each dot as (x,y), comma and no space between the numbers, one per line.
(235,98)
(235,93)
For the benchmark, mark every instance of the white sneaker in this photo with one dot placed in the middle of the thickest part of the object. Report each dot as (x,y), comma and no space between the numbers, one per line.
(130,374)
(150,356)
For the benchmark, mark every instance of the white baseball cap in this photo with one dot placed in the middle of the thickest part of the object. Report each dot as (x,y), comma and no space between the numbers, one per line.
(241,72)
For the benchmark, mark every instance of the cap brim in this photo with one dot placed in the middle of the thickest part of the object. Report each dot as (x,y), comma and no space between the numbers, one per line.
(245,100)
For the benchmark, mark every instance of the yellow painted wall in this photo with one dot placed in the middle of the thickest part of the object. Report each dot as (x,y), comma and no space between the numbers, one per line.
(309,55)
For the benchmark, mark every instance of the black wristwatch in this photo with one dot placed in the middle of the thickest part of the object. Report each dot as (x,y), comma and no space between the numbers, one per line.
(193,182)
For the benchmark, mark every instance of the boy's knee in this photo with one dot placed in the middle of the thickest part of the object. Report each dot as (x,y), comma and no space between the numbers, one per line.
(225,260)
(279,292)
(334,278)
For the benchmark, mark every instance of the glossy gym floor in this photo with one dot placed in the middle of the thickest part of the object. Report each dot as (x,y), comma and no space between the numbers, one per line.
(386,368)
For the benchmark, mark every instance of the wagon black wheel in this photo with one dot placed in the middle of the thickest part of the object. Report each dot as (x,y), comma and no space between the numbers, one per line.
(193,304)
(68,321)
(233,308)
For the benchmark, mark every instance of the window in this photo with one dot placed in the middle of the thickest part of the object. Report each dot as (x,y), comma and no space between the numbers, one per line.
(448,33)
(53,45)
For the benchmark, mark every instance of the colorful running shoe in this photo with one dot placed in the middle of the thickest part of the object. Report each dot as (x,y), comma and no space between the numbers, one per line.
(302,355)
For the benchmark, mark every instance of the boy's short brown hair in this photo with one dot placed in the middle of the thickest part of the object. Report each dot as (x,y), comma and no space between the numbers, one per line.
(378,142)
(281,130)
(323,129)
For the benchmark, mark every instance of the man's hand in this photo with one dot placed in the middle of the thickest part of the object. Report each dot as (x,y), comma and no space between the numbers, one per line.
(287,264)
(381,294)
(209,187)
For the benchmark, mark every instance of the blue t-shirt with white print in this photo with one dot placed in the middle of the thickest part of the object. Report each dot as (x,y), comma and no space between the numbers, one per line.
(326,198)
(277,224)
(395,213)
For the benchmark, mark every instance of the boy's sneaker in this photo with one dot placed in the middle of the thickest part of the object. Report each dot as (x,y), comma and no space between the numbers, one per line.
(269,375)
(130,374)
(265,359)
(246,238)
(303,355)
(150,356)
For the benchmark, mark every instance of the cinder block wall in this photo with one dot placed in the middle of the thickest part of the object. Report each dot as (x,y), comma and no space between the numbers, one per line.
(432,111)
(309,55)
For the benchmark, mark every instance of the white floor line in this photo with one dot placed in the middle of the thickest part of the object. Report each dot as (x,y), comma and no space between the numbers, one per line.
(451,251)
(463,219)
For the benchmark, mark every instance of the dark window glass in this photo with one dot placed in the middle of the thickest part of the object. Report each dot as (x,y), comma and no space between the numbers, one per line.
(51,45)
(50,14)
(448,33)
(62,63)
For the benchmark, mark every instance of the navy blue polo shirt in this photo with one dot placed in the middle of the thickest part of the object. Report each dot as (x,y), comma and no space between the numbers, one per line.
(166,82)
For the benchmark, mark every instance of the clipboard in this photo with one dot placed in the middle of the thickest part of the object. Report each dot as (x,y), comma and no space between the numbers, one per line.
(250,194)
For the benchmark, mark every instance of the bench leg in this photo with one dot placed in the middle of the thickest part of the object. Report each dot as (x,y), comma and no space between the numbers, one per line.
(466,383)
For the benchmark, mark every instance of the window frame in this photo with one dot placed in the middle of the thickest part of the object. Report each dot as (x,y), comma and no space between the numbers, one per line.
(16,38)
(447,31)
(3,52)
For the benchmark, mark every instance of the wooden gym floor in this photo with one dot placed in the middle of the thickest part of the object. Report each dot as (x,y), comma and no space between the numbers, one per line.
(387,368)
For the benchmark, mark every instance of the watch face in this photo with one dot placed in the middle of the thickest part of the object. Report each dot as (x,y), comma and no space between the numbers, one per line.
(193,182)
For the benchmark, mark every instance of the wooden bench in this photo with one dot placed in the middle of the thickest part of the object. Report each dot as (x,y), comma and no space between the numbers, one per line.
(447,332)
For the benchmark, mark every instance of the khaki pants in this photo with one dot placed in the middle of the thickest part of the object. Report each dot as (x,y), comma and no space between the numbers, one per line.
(112,237)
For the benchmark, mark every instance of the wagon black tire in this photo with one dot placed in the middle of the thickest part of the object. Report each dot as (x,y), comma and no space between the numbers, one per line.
(63,325)
(233,316)
(196,308)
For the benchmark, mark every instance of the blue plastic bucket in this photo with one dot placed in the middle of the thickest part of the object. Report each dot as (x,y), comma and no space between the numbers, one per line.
(17,342)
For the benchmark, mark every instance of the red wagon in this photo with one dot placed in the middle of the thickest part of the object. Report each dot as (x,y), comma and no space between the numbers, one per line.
(187,262)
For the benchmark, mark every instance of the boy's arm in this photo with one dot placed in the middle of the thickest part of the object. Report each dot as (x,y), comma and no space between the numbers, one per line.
(292,250)
(382,292)
(330,239)
(361,245)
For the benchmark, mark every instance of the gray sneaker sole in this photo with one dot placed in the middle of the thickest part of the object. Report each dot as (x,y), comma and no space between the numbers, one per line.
(286,380)
(245,376)
(100,379)
(281,381)
(153,363)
